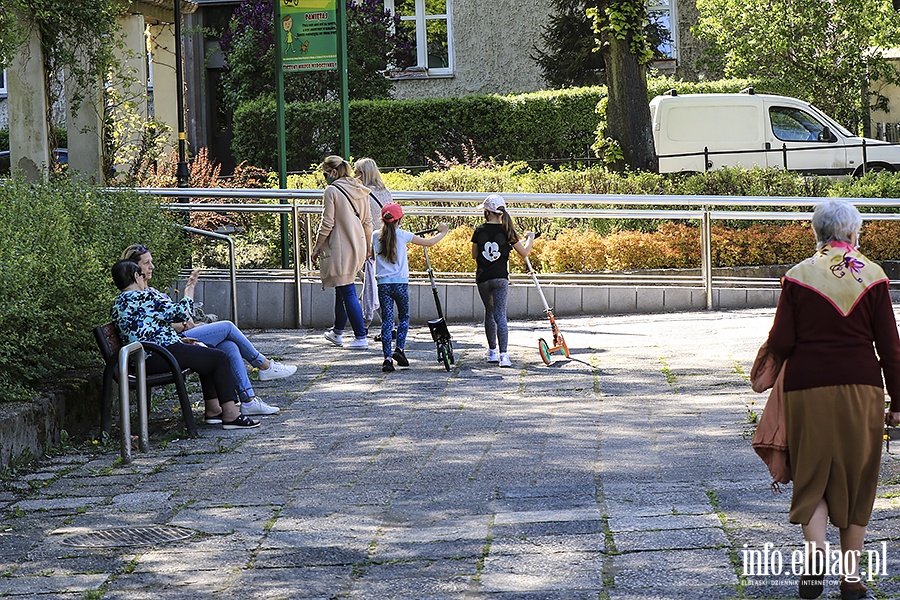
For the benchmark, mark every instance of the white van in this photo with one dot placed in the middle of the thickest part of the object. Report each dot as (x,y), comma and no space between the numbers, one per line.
(698,132)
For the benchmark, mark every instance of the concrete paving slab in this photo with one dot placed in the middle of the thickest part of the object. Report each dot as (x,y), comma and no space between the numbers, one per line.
(622,472)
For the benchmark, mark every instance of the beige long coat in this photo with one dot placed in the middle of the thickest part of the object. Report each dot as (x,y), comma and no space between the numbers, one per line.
(343,236)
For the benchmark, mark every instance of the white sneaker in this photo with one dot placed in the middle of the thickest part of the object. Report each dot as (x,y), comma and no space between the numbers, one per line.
(360,343)
(334,338)
(492,355)
(276,370)
(504,360)
(257,407)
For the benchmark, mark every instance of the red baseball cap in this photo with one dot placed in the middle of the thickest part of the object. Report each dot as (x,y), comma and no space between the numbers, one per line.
(391,212)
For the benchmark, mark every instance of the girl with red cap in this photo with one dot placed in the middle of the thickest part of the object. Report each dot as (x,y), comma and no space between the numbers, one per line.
(392,274)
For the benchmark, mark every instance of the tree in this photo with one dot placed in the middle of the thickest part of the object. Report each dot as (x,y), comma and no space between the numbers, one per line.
(372,45)
(626,53)
(827,52)
(570,57)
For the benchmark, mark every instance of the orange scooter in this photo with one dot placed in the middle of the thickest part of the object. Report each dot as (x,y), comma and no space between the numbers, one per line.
(558,342)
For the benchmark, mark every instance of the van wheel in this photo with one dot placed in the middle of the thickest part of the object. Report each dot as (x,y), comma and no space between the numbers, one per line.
(874,168)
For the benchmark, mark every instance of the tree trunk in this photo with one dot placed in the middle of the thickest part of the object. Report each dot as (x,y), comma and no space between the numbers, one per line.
(628,110)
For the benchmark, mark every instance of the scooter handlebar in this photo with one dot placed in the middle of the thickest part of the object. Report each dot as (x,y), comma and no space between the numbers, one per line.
(425,232)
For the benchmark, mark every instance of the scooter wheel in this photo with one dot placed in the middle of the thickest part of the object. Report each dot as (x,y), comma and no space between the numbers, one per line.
(565,348)
(545,351)
(450,349)
(445,354)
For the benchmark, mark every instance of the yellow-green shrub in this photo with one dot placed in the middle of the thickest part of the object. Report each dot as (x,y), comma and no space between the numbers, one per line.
(453,254)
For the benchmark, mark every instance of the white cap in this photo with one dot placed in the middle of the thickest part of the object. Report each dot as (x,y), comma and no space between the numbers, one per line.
(493,203)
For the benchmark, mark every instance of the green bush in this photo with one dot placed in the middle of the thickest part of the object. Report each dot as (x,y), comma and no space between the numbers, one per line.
(546,125)
(57,243)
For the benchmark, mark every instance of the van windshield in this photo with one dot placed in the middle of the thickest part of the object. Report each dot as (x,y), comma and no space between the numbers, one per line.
(831,122)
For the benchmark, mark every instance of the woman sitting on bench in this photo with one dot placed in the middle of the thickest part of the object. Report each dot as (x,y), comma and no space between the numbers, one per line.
(140,317)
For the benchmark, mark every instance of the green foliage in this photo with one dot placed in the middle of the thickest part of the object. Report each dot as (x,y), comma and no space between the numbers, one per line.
(76,41)
(838,54)
(547,125)
(568,57)
(623,20)
(373,41)
(57,242)
(4,138)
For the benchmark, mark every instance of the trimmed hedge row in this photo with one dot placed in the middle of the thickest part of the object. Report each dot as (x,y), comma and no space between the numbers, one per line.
(407,132)
(549,125)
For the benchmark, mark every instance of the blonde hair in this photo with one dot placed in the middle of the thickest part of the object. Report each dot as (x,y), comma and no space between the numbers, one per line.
(336,163)
(369,174)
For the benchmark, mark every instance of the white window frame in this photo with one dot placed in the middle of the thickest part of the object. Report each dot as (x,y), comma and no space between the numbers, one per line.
(656,7)
(421,20)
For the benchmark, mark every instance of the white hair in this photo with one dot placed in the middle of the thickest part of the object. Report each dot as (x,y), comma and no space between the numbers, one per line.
(835,221)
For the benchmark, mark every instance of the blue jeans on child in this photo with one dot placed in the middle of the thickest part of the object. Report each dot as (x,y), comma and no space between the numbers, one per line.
(346,304)
(388,294)
(225,336)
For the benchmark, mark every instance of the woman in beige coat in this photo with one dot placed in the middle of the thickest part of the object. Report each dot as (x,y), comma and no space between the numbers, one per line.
(342,245)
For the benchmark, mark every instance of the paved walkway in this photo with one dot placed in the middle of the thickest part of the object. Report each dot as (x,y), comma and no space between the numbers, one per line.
(624,472)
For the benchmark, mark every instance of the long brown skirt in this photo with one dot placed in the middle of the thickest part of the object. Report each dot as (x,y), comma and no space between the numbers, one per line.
(834,441)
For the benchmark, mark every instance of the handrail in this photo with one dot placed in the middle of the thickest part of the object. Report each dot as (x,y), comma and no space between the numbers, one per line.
(704,209)
(475,198)
(231,264)
(124,400)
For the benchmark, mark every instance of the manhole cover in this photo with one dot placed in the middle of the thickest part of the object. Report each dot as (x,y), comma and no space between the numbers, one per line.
(128,536)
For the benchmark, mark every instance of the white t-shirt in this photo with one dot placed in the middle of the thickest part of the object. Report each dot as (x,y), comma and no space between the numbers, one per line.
(397,272)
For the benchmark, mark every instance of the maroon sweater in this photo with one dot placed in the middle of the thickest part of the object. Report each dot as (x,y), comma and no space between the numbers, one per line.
(827,349)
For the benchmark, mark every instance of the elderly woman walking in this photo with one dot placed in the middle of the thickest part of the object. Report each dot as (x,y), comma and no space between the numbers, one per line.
(834,314)
(342,245)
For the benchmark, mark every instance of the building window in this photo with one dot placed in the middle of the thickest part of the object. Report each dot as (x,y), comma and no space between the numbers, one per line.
(428,23)
(2,82)
(662,15)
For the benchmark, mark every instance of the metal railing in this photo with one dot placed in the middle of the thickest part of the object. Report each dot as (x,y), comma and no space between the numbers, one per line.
(124,400)
(784,151)
(232,269)
(703,209)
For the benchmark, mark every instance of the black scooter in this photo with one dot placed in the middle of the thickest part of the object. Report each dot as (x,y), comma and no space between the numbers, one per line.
(438,327)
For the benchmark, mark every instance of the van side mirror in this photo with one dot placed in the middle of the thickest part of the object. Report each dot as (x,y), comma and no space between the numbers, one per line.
(826,136)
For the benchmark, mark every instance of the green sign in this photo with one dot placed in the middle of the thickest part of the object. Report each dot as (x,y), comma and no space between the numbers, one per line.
(308,35)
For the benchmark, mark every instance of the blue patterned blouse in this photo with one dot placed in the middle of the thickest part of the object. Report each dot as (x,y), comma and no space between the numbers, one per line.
(147,316)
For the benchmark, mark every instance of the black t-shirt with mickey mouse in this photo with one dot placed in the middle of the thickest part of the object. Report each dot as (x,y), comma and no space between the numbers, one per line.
(493,252)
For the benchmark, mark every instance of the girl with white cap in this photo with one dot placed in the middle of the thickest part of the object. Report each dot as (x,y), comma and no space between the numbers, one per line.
(491,245)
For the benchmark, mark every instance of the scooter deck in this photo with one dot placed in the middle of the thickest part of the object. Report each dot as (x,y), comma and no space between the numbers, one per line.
(439,331)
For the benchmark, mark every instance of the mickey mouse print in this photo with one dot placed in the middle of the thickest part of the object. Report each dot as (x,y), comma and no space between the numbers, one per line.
(492,250)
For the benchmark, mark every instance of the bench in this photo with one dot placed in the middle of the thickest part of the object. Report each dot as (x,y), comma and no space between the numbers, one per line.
(109,343)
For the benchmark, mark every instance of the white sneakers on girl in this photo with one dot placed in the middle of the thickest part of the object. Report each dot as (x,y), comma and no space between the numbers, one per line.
(504,360)
(493,355)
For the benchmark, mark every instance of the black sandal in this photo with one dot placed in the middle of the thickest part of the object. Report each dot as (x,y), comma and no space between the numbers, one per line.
(242,422)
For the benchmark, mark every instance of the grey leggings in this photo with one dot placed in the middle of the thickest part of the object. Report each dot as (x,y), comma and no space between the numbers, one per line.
(493,296)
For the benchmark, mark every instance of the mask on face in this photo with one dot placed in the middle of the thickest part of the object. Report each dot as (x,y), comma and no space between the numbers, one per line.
(329,179)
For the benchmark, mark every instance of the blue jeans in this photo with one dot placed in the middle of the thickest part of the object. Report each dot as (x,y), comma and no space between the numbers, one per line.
(388,293)
(225,336)
(346,304)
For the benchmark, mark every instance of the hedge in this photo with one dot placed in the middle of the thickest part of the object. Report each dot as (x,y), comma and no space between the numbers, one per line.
(57,243)
(550,125)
